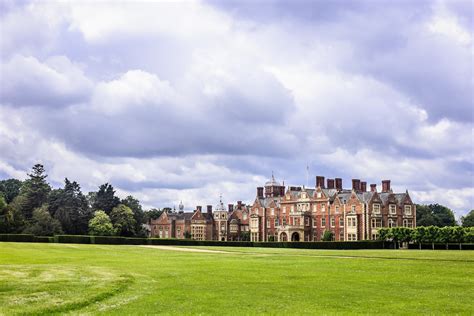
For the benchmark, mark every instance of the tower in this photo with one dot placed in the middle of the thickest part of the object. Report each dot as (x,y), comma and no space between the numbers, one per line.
(220,219)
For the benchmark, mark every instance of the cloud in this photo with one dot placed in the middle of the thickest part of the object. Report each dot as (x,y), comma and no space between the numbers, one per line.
(57,82)
(172,101)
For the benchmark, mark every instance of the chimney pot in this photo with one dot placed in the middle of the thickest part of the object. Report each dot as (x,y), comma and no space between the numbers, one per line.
(260,192)
(385,185)
(373,187)
(356,185)
(209,208)
(231,207)
(320,182)
(338,184)
(199,208)
(363,186)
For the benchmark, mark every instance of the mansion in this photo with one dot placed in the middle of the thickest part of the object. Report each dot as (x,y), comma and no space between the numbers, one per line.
(295,214)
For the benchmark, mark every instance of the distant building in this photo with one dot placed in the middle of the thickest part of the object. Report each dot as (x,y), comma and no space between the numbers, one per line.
(221,224)
(304,214)
(295,214)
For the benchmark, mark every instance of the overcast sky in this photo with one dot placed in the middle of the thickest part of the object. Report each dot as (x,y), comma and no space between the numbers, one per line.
(188,100)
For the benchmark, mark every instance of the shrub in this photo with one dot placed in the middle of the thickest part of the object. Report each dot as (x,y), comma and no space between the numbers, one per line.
(46,239)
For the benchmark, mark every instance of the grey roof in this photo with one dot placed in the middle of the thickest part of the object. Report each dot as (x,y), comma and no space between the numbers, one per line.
(265,202)
(365,196)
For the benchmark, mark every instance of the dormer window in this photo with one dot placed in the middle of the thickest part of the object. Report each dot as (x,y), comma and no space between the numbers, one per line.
(376,208)
(393,209)
(408,210)
(318,195)
(353,208)
(272,211)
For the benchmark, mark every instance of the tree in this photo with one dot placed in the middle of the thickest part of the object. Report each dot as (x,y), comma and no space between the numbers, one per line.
(468,220)
(469,234)
(71,208)
(458,235)
(419,235)
(432,235)
(187,234)
(105,199)
(35,191)
(123,221)
(434,215)
(10,188)
(4,216)
(100,225)
(383,234)
(138,215)
(153,213)
(328,235)
(42,224)
(445,235)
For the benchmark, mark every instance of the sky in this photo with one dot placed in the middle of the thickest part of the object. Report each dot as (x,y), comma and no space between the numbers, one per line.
(184,101)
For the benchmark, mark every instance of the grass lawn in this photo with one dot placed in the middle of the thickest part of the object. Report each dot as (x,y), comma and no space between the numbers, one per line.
(92,279)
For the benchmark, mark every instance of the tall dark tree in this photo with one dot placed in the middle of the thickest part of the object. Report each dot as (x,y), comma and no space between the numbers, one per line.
(138,214)
(105,199)
(153,213)
(468,220)
(34,191)
(434,215)
(10,188)
(71,208)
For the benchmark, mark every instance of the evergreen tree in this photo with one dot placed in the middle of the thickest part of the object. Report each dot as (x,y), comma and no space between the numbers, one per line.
(71,208)
(434,215)
(34,191)
(105,199)
(10,189)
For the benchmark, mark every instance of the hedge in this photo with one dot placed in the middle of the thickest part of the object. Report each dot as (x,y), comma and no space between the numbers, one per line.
(17,237)
(73,239)
(439,246)
(117,240)
(43,239)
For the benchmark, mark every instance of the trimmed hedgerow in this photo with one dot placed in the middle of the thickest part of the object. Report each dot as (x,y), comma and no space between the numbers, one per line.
(73,239)
(438,246)
(46,239)
(17,237)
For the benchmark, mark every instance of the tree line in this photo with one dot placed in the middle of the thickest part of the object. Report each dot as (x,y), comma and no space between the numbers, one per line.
(428,234)
(34,207)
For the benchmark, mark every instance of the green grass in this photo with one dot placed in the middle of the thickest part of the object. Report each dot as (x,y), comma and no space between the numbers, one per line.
(93,279)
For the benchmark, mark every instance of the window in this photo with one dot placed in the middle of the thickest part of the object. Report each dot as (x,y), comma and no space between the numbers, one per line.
(375,236)
(353,208)
(244,216)
(341,221)
(408,223)
(391,223)
(276,222)
(323,208)
(393,209)
(315,224)
(284,209)
(318,195)
(323,221)
(306,220)
(179,232)
(268,223)
(341,235)
(337,209)
(376,208)
(292,209)
(272,212)
(333,222)
(376,222)
(351,222)
(284,221)
(351,237)
(314,208)
(408,210)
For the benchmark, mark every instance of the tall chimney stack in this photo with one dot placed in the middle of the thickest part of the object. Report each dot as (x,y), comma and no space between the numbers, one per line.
(231,207)
(320,182)
(385,185)
(330,183)
(239,205)
(199,208)
(363,186)
(209,209)
(260,192)
(338,184)
(356,185)
(373,187)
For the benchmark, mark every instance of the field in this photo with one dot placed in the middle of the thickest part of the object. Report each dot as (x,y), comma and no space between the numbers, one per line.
(92,279)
